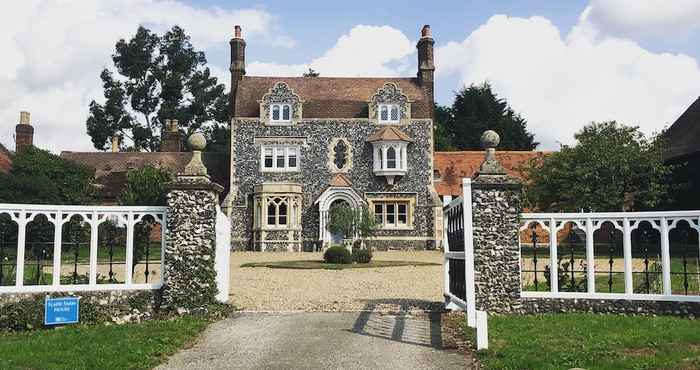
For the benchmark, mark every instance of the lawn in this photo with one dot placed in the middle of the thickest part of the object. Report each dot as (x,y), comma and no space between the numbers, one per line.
(129,346)
(590,341)
(312,265)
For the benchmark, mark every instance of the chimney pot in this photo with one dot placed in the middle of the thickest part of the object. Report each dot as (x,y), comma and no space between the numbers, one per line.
(425,32)
(24,118)
(237,31)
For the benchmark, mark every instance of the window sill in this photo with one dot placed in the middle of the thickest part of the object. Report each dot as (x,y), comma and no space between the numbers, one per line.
(277,170)
(277,228)
(280,123)
(394,228)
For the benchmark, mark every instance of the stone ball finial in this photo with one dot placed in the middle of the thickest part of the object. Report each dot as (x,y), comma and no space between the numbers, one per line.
(197,142)
(490,139)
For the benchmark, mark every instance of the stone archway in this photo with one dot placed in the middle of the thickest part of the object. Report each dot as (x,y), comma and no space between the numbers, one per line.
(330,196)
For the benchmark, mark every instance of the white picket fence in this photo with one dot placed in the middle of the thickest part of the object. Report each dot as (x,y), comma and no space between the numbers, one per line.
(641,260)
(125,217)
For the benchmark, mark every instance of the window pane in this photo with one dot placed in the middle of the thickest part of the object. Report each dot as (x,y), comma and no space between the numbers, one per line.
(280,157)
(340,153)
(268,158)
(378,214)
(271,213)
(285,112)
(384,113)
(282,214)
(394,113)
(402,217)
(292,157)
(275,112)
(381,159)
(390,215)
(390,158)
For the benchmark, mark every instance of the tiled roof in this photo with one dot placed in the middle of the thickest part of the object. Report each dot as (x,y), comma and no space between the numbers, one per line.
(388,133)
(5,160)
(111,168)
(453,166)
(341,181)
(684,135)
(329,97)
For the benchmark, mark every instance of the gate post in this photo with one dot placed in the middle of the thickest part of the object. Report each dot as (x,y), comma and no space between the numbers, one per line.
(189,279)
(496,204)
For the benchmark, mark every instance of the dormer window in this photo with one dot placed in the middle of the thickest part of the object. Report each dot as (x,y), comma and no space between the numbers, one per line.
(280,113)
(389,113)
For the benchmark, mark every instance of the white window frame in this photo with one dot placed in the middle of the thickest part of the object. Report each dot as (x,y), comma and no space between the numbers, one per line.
(281,119)
(383,214)
(283,151)
(389,107)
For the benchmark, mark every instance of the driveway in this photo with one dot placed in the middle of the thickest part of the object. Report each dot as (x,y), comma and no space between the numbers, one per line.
(321,340)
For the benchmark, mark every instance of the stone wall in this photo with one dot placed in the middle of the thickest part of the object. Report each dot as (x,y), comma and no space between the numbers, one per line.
(550,305)
(315,173)
(26,311)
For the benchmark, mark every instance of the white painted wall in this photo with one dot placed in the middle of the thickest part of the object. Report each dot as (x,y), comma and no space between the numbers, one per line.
(223,253)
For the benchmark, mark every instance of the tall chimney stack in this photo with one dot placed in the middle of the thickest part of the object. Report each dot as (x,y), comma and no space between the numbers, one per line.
(426,66)
(237,67)
(24,133)
(171,137)
(115,144)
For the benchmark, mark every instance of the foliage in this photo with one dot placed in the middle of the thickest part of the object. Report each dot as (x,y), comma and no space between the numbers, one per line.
(129,346)
(159,78)
(145,187)
(609,162)
(39,177)
(475,110)
(337,254)
(311,73)
(350,221)
(590,341)
(361,255)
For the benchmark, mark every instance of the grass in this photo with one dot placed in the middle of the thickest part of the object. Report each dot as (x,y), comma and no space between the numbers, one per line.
(129,346)
(310,265)
(590,341)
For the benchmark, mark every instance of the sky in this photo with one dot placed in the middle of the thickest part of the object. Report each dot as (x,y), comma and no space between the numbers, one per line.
(560,64)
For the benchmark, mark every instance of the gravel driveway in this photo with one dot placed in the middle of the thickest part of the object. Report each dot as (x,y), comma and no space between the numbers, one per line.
(384,289)
(321,340)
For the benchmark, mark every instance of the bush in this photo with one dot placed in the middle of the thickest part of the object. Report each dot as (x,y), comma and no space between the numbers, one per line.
(362,255)
(337,254)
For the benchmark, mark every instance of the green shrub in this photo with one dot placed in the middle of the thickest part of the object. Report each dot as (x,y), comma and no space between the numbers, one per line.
(362,255)
(337,254)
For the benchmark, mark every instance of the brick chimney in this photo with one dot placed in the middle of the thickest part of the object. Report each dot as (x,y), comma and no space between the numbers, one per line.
(171,137)
(24,133)
(426,66)
(237,67)
(115,144)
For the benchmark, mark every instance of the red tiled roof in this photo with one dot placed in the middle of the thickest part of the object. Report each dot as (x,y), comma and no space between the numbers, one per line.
(389,133)
(684,135)
(341,181)
(111,168)
(329,97)
(453,166)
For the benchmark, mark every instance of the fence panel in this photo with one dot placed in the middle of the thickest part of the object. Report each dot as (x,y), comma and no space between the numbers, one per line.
(612,255)
(47,248)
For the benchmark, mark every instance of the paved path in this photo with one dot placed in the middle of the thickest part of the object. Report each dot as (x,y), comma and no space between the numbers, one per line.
(318,340)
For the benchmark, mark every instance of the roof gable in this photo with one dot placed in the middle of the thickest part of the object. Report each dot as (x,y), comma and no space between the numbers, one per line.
(684,135)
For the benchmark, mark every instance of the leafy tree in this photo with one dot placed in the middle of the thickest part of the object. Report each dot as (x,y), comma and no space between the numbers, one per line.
(40,177)
(158,78)
(475,110)
(611,166)
(311,73)
(350,221)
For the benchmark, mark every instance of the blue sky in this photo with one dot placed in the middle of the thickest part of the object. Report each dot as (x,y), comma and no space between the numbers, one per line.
(561,64)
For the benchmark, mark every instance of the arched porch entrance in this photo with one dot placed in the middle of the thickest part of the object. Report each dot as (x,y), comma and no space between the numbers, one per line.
(333,195)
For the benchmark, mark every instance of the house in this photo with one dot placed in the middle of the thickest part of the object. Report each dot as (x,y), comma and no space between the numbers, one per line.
(683,151)
(300,145)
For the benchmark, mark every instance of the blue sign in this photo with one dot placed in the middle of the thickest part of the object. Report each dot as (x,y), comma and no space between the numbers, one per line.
(64,310)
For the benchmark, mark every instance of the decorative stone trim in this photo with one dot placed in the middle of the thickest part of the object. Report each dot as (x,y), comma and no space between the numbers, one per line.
(394,197)
(332,166)
(390,93)
(281,93)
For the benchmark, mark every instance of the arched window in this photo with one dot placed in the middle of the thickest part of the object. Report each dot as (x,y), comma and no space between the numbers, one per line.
(340,154)
(391,158)
(282,214)
(381,159)
(277,212)
(280,113)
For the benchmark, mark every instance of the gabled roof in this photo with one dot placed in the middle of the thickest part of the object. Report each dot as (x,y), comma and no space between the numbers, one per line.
(329,97)
(453,166)
(341,181)
(684,135)
(111,168)
(388,133)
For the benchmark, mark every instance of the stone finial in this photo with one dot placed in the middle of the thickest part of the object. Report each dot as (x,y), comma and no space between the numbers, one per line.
(24,118)
(490,165)
(197,143)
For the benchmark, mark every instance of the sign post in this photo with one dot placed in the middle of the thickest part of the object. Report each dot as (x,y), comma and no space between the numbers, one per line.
(63,310)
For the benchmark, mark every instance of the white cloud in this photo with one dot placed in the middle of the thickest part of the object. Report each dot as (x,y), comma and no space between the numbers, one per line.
(559,83)
(661,17)
(53,53)
(364,51)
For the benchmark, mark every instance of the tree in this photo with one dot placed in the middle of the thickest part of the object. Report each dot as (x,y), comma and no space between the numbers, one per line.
(475,110)
(39,177)
(350,221)
(158,78)
(611,167)
(311,73)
